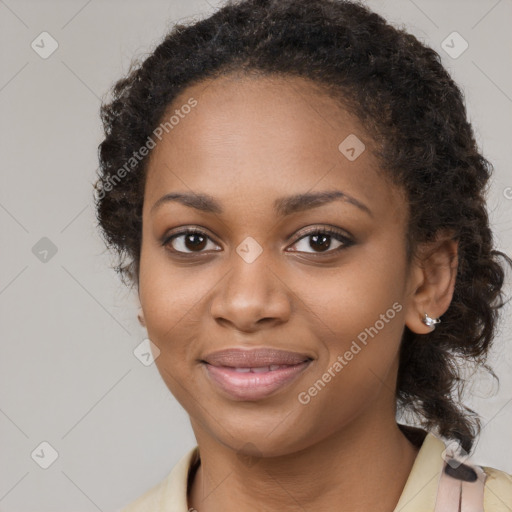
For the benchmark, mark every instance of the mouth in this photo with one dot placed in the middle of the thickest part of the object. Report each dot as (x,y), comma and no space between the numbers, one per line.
(251,375)
(255,358)
(260,369)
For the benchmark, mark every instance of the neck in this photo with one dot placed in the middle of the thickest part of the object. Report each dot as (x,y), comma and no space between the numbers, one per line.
(362,467)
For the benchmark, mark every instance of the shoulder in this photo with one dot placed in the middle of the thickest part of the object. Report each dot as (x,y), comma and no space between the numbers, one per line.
(497,490)
(467,480)
(169,495)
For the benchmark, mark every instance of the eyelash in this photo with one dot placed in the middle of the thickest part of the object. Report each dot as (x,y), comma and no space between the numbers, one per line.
(346,241)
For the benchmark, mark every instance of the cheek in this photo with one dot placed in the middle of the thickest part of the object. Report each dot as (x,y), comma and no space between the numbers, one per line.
(361,313)
(360,345)
(170,304)
(166,293)
(173,299)
(165,299)
(352,297)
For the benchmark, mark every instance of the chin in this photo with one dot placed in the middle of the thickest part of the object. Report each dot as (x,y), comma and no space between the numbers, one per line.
(261,439)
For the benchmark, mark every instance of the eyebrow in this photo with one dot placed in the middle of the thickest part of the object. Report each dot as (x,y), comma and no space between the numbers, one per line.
(282,206)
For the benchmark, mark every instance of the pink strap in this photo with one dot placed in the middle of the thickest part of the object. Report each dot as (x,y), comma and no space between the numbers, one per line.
(448,493)
(459,495)
(473,492)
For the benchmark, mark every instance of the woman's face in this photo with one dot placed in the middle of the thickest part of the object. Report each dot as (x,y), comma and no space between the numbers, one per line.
(257,275)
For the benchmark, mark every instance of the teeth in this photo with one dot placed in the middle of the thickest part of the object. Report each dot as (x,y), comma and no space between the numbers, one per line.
(261,369)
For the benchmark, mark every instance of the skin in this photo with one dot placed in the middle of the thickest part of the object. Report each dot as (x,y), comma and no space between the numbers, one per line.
(248,142)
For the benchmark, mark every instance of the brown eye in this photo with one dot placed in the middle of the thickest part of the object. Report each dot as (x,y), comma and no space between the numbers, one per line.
(188,241)
(321,241)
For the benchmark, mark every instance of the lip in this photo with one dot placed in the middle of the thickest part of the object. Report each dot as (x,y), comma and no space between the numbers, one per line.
(245,384)
(254,358)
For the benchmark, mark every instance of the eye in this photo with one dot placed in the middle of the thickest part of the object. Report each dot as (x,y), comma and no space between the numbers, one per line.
(187,241)
(320,240)
(191,241)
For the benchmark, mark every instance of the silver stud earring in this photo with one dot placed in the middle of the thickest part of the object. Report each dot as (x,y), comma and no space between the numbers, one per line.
(431,322)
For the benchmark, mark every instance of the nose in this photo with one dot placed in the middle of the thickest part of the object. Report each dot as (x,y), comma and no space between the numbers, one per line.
(251,297)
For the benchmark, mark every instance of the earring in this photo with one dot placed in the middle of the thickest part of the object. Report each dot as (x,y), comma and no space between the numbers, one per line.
(431,322)
(140,316)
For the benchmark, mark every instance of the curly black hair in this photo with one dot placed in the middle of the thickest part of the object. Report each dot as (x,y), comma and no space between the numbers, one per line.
(416,117)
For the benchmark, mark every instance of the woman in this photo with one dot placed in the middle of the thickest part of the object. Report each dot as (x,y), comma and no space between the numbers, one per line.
(295,191)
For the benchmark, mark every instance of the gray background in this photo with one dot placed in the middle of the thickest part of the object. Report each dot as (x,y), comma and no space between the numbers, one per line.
(68,375)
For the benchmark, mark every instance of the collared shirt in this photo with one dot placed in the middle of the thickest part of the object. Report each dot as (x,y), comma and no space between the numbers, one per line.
(418,495)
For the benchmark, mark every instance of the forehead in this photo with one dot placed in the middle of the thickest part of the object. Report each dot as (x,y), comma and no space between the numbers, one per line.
(259,117)
(263,134)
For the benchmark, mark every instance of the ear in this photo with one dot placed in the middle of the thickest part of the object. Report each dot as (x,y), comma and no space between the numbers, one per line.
(140,316)
(431,281)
